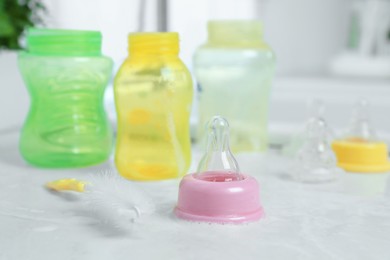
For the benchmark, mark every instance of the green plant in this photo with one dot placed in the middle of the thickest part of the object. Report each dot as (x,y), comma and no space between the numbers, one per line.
(15,17)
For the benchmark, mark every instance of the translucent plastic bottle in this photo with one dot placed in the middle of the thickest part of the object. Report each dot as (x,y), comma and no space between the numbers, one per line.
(153,96)
(234,70)
(66,75)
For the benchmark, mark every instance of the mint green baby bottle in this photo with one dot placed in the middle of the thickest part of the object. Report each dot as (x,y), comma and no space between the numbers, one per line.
(66,75)
(234,71)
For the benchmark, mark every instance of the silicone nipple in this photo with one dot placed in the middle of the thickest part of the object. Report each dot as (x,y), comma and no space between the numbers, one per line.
(315,161)
(218,192)
(360,128)
(359,150)
(218,163)
(315,111)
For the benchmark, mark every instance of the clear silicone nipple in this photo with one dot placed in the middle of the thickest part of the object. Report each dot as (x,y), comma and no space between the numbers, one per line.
(315,161)
(218,163)
(360,128)
(315,112)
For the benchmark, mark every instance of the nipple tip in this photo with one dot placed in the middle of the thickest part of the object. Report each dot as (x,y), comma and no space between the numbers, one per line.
(219,122)
(317,127)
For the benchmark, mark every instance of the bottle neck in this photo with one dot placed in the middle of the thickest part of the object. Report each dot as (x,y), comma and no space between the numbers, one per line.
(235,33)
(52,42)
(153,44)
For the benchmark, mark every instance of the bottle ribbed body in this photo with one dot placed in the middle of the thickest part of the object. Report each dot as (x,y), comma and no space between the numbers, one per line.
(153,96)
(67,125)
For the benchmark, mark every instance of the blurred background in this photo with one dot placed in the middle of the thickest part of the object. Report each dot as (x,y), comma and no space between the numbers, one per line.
(335,50)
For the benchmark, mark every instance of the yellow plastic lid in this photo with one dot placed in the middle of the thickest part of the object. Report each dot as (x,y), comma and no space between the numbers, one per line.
(236,34)
(359,155)
(161,43)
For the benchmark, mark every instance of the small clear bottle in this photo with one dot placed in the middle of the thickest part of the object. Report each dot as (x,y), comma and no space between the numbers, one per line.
(234,70)
(66,75)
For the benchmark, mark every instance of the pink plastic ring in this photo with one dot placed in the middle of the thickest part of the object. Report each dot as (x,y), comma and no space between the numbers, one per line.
(221,202)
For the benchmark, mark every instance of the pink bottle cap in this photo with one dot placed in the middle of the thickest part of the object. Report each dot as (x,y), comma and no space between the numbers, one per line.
(218,192)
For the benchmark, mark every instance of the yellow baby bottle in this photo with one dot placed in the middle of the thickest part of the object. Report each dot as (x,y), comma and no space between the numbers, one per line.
(153,96)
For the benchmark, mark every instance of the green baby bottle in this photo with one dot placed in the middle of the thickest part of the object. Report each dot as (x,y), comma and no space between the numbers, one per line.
(66,75)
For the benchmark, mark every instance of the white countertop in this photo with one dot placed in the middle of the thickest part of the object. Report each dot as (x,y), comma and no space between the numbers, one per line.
(349,219)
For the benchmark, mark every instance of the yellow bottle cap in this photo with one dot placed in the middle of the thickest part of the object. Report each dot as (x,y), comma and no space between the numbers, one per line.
(359,155)
(163,43)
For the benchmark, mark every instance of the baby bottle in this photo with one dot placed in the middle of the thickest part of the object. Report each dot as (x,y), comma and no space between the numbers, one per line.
(234,70)
(153,96)
(66,75)
(359,149)
(218,192)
